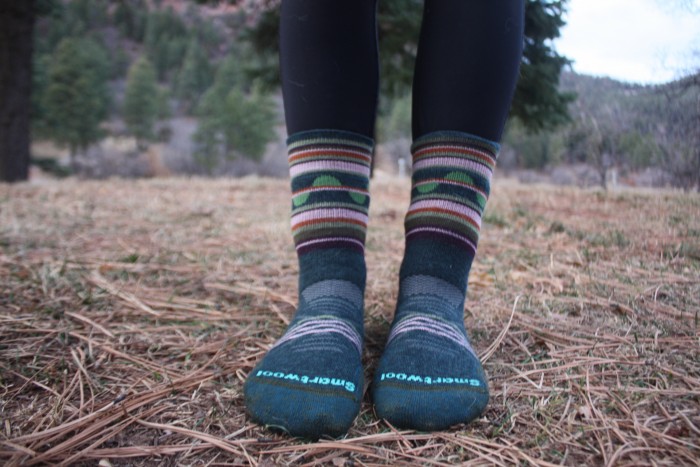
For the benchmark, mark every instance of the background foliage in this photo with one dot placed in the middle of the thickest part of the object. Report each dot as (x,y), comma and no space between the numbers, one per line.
(222,71)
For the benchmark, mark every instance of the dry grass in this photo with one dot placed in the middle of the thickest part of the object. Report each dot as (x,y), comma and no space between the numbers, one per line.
(131,312)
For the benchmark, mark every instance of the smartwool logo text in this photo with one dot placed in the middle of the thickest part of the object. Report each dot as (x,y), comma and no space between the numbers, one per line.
(322,381)
(429,380)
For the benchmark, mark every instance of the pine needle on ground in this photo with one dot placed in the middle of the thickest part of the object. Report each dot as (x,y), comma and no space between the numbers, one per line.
(132,311)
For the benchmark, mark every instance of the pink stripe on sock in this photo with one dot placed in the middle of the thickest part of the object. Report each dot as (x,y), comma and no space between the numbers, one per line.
(323,326)
(448,206)
(428,329)
(432,326)
(427,325)
(328,165)
(326,330)
(456,162)
(327,152)
(445,148)
(315,189)
(330,214)
(330,240)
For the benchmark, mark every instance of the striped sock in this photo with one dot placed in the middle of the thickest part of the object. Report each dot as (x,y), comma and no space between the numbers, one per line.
(429,377)
(311,382)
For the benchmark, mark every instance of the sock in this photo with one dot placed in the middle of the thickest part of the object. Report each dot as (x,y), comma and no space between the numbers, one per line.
(429,377)
(311,382)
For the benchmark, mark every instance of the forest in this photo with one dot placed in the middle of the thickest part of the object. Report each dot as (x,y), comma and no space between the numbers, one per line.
(141,88)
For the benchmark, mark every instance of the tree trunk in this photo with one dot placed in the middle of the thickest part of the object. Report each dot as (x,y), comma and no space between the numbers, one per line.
(16,44)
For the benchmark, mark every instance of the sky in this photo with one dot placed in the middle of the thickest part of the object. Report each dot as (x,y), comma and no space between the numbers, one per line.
(640,41)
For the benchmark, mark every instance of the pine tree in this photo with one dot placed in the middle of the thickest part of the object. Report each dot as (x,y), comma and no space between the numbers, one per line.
(208,142)
(166,41)
(538,103)
(40,78)
(228,75)
(398,23)
(130,17)
(396,120)
(195,76)
(233,123)
(91,13)
(141,101)
(248,123)
(211,108)
(76,100)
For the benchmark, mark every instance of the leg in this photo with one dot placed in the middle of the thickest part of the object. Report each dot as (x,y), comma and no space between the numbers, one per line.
(330,69)
(311,382)
(429,377)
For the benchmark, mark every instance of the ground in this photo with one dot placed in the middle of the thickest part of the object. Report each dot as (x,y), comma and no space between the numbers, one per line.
(132,311)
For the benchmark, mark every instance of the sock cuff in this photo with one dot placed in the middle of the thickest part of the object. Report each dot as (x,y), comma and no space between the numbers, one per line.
(329,136)
(329,172)
(456,138)
(451,182)
(332,152)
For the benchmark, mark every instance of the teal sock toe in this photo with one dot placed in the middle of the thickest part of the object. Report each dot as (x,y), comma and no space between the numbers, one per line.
(429,377)
(308,388)
(410,406)
(310,383)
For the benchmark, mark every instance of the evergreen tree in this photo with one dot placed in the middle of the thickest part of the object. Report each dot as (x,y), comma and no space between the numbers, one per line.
(77,18)
(228,75)
(396,120)
(92,14)
(232,125)
(398,23)
(209,35)
(141,101)
(57,26)
(40,77)
(248,123)
(76,101)
(538,103)
(211,109)
(130,18)
(195,76)
(263,65)
(208,142)
(163,98)
(211,106)
(120,63)
(166,41)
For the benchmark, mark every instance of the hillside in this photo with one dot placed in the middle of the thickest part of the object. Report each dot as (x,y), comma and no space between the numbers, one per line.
(647,134)
(644,108)
(197,92)
(210,82)
(132,311)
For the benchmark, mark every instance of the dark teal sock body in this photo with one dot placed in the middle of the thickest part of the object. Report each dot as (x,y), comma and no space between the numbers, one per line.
(310,383)
(429,377)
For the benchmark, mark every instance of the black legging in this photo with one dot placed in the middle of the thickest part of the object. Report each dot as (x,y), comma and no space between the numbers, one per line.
(466,69)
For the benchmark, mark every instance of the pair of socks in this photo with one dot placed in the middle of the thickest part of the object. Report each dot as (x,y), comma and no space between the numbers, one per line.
(310,384)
